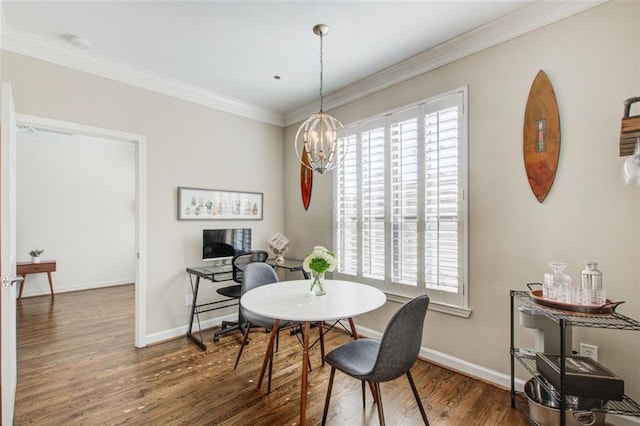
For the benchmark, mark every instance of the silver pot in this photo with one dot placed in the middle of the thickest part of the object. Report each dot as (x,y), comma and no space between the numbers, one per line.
(544,408)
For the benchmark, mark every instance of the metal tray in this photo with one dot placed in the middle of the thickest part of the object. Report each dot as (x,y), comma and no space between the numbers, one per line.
(536,297)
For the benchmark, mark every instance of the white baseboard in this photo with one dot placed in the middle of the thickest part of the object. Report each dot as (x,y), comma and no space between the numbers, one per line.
(456,364)
(78,287)
(182,330)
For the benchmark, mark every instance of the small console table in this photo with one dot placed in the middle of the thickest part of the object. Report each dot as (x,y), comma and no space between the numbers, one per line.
(214,274)
(26,268)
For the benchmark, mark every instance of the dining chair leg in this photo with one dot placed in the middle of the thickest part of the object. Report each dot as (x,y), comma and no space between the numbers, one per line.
(417,397)
(364,404)
(326,401)
(244,342)
(373,392)
(376,386)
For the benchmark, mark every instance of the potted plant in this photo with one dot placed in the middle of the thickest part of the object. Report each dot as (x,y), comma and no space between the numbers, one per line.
(35,255)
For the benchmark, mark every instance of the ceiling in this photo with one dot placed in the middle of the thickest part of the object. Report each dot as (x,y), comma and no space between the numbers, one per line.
(231,50)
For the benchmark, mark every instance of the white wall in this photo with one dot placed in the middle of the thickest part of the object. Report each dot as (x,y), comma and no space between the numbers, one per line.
(76,200)
(592,60)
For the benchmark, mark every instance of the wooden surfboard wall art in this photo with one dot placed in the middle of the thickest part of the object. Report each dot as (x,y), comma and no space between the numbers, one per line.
(541,136)
(306,179)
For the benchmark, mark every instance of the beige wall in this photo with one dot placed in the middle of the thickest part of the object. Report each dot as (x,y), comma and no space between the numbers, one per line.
(187,145)
(592,60)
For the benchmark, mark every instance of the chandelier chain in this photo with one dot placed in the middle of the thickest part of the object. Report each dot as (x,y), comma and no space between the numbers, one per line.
(321,76)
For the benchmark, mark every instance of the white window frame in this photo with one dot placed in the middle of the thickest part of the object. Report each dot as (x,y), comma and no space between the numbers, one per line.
(447,302)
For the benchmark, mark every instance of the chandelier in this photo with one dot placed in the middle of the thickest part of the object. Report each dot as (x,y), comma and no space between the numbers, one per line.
(321,141)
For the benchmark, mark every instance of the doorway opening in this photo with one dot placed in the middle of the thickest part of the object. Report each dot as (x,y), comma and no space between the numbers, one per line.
(118,144)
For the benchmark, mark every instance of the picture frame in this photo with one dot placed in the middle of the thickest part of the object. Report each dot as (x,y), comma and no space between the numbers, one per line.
(214,204)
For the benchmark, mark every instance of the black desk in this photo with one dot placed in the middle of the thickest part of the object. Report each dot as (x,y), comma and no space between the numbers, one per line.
(220,274)
(213,274)
(292,265)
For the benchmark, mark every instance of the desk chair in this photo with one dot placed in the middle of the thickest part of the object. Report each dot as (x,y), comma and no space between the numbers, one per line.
(376,361)
(239,263)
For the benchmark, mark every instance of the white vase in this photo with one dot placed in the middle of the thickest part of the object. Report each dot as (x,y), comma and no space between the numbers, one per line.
(35,259)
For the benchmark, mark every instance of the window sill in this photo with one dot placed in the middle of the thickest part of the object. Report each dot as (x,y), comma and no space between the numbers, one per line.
(436,306)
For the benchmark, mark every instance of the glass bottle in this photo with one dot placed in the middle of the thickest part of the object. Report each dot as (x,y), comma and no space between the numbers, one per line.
(591,283)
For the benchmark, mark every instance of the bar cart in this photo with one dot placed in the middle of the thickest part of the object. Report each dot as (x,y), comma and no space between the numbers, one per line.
(563,319)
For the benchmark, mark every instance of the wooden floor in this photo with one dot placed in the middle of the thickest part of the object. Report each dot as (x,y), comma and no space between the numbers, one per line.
(77,366)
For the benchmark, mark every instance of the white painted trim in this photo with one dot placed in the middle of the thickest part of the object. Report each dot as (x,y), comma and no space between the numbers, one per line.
(444,308)
(529,18)
(79,287)
(41,48)
(182,330)
(141,244)
(141,203)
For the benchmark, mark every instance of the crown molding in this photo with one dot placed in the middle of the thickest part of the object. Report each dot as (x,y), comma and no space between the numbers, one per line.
(529,18)
(27,44)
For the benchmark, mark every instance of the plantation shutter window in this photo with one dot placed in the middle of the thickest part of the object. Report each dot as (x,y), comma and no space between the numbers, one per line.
(400,205)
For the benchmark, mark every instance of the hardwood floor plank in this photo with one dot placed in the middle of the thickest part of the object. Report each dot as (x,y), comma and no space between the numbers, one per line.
(77,366)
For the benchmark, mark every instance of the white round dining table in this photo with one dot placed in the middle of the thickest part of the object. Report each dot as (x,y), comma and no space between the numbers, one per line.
(292,301)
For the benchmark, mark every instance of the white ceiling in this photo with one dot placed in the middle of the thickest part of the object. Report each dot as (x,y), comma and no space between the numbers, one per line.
(231,50)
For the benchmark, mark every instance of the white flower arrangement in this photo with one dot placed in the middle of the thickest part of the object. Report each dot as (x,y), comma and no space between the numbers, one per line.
(319,260)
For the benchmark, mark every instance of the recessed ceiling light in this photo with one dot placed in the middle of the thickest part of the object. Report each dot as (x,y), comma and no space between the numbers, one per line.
(80,41)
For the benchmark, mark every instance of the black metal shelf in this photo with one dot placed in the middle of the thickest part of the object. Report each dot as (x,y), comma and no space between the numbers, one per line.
(627,406)
(611,320)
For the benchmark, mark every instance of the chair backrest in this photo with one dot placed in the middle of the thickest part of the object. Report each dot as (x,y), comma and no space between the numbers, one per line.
(241,261)
(255,275)
(258,274)
(401,341)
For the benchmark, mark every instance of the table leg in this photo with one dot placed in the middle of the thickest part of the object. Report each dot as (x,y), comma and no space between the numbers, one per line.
(267,355)
(321,329)
(53,296)
(354,333)
(305,373)
(24,279)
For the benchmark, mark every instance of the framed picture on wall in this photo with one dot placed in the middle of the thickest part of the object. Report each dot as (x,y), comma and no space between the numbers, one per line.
(213,204)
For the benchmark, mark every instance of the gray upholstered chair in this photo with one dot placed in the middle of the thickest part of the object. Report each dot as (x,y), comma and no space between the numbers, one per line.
(239,263)
(376,361)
